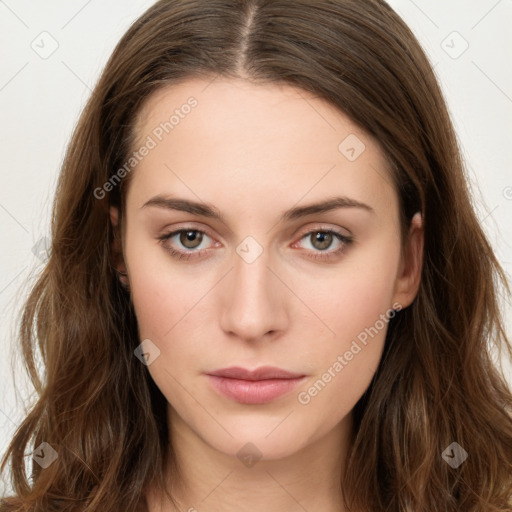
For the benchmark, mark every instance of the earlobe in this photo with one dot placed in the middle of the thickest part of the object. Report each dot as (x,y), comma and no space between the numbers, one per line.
(114,216)
(409,277)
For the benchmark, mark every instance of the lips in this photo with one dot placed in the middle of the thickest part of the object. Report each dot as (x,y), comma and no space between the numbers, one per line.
(258,386)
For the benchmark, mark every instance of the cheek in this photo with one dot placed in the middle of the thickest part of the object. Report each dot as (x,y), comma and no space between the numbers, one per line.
(163,293)
(355,296)
(357,307)
(345,365)
(169,311)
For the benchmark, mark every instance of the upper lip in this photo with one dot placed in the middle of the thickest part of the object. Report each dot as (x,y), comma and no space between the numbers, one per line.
(261,373)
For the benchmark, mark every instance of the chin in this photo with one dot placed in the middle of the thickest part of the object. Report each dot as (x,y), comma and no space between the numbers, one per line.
(267,439)
(250,450)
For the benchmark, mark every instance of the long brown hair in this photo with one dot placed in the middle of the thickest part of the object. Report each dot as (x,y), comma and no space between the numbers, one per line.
(436,384)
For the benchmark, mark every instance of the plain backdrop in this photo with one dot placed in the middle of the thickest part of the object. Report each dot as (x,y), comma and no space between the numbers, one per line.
(53,52)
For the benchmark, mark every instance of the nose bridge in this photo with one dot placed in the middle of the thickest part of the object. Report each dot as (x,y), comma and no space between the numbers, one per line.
(254,304)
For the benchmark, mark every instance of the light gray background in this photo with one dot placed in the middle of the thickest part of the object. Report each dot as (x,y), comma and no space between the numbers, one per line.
(41,99)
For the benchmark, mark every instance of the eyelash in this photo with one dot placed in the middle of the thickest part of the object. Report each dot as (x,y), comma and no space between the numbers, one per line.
(319,256)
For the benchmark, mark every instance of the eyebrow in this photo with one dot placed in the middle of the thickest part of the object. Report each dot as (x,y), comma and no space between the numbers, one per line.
(297,212)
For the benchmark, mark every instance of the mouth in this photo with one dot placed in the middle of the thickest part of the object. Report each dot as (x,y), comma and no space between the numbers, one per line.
(259,386)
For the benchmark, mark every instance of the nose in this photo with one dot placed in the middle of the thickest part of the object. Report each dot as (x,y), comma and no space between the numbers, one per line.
(253,300)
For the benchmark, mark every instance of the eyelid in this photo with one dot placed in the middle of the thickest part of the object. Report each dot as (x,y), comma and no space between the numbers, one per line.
(186,227)
(324,227)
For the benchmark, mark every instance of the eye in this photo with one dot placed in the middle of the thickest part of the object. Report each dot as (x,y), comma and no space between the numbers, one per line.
(188,238)
(321,240)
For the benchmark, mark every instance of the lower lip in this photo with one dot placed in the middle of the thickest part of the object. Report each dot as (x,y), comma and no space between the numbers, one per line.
(253,391)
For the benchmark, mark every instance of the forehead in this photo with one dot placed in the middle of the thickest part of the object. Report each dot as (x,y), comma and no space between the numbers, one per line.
(254,140)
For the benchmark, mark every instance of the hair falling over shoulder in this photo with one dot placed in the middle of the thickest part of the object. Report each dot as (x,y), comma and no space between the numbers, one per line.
(437,383)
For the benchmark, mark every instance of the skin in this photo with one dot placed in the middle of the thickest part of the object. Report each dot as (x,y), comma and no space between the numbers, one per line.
(254,151)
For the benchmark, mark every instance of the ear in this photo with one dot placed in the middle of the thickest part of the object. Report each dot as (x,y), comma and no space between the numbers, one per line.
(409,275)
(117,249)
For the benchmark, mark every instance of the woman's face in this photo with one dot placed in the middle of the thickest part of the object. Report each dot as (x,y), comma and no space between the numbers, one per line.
(259,275)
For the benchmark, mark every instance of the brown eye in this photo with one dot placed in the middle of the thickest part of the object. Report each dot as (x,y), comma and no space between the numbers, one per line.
(183,244)
(191,238)
(321,239)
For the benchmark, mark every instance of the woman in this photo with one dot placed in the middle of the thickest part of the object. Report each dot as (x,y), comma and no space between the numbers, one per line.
(267,287)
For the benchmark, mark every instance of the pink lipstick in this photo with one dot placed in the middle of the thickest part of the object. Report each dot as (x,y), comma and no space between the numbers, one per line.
(258,386)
